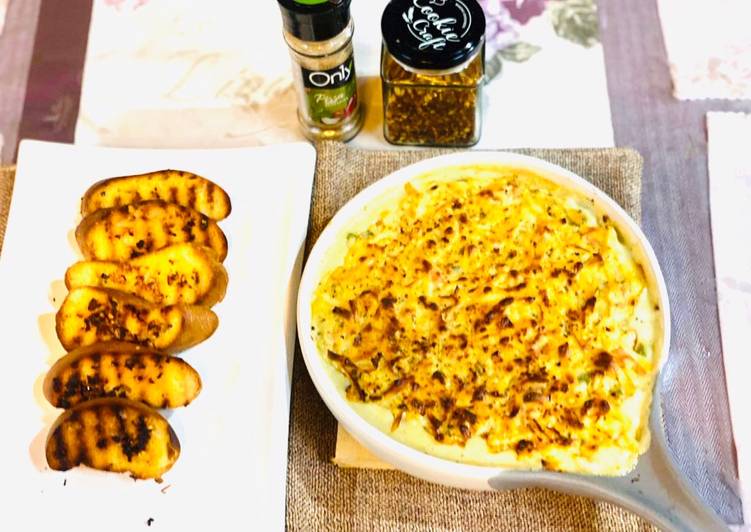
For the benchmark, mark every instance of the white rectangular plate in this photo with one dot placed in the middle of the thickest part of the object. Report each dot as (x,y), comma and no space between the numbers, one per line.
(232,469)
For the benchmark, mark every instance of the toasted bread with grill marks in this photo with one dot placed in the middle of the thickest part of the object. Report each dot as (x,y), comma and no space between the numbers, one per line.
(183,273)
(92,315)
(115,435)
(183,188)
(127,232)
(121,369)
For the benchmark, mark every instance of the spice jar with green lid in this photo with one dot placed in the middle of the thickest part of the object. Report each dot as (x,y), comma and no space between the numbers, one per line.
(432,72)
(319,36)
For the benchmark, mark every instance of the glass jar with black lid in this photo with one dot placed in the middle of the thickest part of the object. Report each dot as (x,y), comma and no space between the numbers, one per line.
(432,72)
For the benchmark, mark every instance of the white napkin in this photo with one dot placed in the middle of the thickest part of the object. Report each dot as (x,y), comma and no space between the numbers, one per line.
(215,74)
(730,204)
(179,74)
(708,43)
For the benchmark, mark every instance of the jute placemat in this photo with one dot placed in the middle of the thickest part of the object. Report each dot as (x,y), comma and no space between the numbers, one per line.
(323,496)
(7,178)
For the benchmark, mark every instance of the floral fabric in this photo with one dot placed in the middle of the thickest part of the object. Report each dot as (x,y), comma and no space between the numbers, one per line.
(573,20)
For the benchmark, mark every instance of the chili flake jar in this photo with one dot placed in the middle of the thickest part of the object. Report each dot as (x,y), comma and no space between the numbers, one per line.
(432,72)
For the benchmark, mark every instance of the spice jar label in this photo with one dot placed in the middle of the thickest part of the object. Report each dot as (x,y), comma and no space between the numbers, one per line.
(331,94)
(436,23)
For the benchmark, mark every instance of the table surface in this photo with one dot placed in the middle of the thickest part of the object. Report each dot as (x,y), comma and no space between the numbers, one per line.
(42,51)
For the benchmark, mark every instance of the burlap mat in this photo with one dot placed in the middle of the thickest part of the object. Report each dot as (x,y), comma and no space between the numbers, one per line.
(7,177)
(322,496)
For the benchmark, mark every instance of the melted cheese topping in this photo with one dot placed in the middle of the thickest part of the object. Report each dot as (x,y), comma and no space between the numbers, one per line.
(494,319)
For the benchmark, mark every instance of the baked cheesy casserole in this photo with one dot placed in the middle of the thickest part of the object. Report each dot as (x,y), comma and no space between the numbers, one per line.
(489,316)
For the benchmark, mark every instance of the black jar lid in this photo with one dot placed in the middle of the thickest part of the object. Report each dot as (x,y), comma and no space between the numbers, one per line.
(433,34)
(315,20)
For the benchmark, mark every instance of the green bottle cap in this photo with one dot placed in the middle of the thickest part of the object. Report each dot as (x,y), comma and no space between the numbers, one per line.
(315,20)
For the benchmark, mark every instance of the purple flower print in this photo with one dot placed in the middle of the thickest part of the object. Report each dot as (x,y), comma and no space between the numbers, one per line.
(523,10)
(501,30)
(503,22)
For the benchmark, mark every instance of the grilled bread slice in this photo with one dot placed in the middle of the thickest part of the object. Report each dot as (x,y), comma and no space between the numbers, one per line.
(91,315)
(183,273)
(127,232)
(183,188)
(115,435)
(121,369)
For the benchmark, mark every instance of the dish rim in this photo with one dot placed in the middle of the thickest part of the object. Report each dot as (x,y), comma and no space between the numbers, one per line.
(401,455)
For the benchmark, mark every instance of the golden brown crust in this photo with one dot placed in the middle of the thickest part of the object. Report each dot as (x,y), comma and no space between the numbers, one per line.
(183,188)
(183,273)
(121,369)
(92,315)
(130,231)
(502,315)
(115,435)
